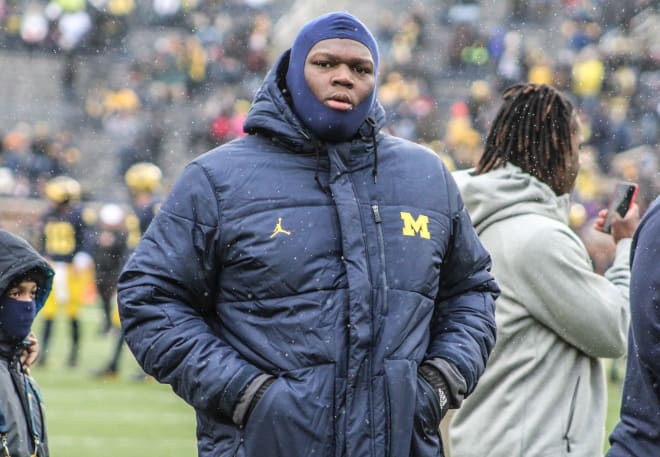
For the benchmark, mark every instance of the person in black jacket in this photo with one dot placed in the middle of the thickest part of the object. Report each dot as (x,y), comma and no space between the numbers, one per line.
(25,282)
(314,287)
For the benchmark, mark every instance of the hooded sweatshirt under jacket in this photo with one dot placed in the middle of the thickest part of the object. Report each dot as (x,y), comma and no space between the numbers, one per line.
(339,289)
(544,390)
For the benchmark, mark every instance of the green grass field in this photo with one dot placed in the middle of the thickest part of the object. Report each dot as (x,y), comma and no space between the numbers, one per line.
(613,404)
(88,416)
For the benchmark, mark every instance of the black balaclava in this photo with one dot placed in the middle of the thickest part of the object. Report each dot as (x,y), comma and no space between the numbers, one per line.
(16,317)
(326,123)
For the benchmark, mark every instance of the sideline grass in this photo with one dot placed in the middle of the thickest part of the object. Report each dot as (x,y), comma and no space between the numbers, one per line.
(613,403)
(108,417)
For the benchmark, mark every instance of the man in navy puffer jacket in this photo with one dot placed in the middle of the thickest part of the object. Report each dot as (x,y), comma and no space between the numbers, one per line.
(314,288)
(638,432)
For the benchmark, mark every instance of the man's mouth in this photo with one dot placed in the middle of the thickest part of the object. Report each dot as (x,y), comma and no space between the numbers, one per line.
(339,102)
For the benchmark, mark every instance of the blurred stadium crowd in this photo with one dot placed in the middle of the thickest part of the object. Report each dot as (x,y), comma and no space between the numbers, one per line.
(443,63)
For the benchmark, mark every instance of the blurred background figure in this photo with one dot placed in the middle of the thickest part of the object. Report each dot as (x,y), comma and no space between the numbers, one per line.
(66,243)
(144,181)
(110,251)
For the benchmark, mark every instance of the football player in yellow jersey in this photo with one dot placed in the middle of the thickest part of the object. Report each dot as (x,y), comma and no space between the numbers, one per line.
(66,245)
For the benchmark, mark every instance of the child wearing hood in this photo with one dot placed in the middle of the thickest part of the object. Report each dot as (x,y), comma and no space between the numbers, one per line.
(25,282)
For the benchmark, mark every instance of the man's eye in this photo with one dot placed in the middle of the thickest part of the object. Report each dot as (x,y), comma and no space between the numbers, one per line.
(362,70)
(323,63)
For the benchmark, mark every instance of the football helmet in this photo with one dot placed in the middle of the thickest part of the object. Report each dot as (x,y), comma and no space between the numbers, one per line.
(62,189)
(143,177)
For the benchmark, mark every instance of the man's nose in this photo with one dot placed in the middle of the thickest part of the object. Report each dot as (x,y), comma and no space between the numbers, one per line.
(343,76)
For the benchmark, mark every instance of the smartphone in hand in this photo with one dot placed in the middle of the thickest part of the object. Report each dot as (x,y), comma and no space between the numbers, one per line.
(622,198)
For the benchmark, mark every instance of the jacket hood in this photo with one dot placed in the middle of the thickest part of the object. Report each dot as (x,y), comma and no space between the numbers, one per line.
(18,257)
(271,114)
(507,192)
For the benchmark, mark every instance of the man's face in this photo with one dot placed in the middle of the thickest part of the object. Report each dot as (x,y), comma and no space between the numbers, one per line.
(340,73)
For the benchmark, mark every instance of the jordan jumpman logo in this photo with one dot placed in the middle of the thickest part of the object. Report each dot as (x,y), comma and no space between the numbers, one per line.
(279,229)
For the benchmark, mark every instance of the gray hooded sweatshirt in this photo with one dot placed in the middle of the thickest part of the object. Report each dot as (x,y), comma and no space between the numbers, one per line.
(543,392)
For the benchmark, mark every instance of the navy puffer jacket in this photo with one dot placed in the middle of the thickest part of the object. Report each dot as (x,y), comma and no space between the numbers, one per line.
(340,288)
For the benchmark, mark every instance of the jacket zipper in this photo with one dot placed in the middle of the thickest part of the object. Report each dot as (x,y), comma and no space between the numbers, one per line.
(571,413)
(381,254)
(24,397)
(383,279)
(370,373)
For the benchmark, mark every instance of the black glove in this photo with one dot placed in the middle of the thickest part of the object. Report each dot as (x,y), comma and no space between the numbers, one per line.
(433,376)
(257,396)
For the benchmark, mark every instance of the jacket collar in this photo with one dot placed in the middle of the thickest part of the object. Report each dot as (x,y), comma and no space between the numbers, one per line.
(8,350)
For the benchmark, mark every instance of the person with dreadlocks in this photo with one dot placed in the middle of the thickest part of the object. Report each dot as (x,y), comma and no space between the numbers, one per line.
(543,392)
(316,287)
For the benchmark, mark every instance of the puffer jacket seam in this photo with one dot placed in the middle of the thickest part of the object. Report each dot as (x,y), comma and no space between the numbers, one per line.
(170,213)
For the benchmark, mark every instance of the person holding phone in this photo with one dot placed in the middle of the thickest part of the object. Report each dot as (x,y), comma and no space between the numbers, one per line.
(622,198)
(638,431)
(543,391)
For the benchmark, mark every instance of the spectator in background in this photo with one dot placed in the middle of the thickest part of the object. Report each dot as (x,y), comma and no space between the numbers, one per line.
(17,157)
(461,139)
(510,68)
(543,391)
(124,123)
(587,77)
(637,433)
(34,26)
(45,163)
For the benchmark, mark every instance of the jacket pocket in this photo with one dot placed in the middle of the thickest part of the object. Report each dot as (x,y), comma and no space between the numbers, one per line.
(571,414)
(294,417)
(413,412)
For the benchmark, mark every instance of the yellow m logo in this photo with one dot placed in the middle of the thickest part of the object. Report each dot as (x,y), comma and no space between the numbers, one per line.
(412,226)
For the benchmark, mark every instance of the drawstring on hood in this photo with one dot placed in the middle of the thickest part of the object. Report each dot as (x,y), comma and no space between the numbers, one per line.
(317,168)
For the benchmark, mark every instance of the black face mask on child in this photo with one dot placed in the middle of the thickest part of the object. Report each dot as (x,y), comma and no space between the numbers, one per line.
(16,318)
